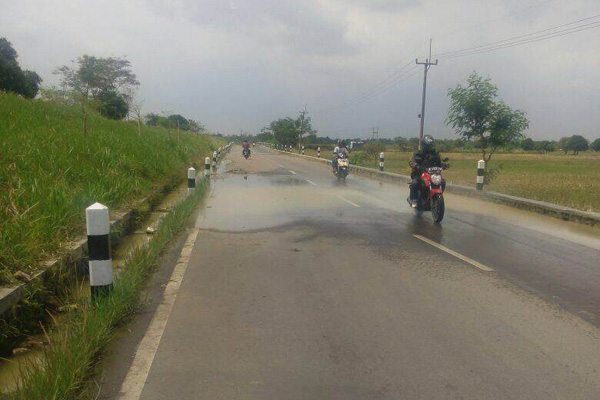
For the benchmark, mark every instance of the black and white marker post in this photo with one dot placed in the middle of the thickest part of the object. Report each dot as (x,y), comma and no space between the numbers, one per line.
(207,166)
(480,174)
(318,152)
(381,157)
(302,150)
(214,160)
(98,237)
(191,180)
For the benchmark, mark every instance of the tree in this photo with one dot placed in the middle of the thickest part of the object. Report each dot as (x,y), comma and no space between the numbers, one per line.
(477,115)
(544,146)
(179,121)
(152,119)
(527,144)
(95,80)
(112,105)
(285,131)
(595,145)
(562,144)
(577,143)
(12,77)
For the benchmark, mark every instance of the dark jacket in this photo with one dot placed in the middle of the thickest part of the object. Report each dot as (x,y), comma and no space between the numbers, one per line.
(422,160)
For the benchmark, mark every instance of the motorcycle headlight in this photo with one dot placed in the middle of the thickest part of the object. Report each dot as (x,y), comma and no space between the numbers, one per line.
(436,179)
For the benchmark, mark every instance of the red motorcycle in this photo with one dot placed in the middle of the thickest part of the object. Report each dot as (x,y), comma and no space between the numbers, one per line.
(431,193)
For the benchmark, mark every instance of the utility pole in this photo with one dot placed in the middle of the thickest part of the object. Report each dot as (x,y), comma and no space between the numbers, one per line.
(426,66)
(375,134)
(302,114)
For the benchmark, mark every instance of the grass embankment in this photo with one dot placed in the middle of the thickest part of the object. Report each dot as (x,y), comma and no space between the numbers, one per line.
(75,343)
(50,172)
(569,180)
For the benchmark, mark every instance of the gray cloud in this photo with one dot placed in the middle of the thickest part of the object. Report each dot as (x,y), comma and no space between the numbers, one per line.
(239,64)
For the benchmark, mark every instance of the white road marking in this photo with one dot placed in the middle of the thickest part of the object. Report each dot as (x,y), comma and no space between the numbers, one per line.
(282,166)
(292,172)
(134,382)
(466,259)
(349,202)
(311,182)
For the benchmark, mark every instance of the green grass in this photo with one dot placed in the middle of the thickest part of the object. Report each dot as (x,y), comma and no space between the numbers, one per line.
(79,338)
(569,180)
(50,172)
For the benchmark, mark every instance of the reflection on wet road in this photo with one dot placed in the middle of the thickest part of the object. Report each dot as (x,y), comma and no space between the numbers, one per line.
(300,286)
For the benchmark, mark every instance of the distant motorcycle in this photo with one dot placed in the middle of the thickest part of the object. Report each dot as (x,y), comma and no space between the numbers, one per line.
(342,168)
(246,153)
(431,193)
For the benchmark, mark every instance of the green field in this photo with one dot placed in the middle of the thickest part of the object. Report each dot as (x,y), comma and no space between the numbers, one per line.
(50,172)
(568,180)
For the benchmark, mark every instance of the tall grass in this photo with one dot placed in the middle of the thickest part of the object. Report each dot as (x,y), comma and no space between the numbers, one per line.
(76,342)
(50,172)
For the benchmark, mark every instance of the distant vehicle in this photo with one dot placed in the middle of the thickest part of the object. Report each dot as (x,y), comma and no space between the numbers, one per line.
(342,167)
(253,144)
(431,193)
(246,153)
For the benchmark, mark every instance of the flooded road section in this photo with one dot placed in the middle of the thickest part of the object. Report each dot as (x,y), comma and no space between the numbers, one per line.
(300,286)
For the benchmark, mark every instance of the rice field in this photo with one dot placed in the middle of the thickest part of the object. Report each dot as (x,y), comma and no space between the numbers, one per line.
(50,172)
(569,180)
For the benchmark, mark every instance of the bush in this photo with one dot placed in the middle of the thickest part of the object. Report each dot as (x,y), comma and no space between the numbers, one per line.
(595,145)
(372,148)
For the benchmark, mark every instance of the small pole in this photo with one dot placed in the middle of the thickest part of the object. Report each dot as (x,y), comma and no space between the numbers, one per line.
(219,152)
(98,237)
(302,150)
(214,159)
(381,157)
(480,174)
(191,180)
(318,152)
(207,166)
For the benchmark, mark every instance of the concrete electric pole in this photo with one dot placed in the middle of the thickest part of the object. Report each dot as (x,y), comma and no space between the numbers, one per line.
(426,66)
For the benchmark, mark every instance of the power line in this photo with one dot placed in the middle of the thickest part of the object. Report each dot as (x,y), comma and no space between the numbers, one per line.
(522,39)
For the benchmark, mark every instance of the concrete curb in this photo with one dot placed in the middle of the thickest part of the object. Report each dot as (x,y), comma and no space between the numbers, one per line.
(541,207)
(77,251)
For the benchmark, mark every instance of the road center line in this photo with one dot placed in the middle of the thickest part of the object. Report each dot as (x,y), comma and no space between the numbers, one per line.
(132,386)
(349,202)
(311,182)
(292,172)
(466,259)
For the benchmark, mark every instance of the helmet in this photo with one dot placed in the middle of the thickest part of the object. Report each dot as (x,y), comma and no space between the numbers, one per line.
(342,143)
(428,143)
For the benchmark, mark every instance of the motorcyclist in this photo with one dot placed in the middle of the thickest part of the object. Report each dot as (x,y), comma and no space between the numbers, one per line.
(245,147)
(426,157)
(341,151)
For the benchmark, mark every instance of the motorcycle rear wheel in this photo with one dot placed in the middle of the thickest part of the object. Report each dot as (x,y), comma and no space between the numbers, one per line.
(437,208)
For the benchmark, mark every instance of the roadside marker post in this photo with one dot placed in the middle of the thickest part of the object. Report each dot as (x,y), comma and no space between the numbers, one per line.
(214,159)
(100,260)
(381,158)
(302,150)
(191,180)
(480,174)
(207,166)
(219,152)
(318,152)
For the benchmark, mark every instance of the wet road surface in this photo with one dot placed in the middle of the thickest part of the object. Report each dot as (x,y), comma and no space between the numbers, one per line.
(302,287)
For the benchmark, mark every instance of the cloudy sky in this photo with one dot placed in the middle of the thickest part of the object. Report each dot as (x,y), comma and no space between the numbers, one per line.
(236,64)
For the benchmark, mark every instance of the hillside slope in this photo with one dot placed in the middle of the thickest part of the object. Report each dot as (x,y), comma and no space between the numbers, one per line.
(50,172)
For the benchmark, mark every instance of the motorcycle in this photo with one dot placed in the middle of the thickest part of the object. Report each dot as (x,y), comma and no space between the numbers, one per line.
(431,193)
(246,153)
(342,168)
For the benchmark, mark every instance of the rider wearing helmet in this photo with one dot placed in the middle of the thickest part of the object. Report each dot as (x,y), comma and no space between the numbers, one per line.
(341,151)
(426,157)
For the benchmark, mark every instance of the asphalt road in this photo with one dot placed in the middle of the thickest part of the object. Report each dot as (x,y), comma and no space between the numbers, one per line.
(296,286)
